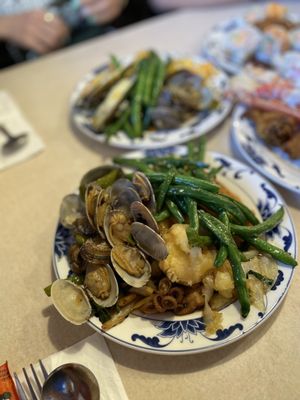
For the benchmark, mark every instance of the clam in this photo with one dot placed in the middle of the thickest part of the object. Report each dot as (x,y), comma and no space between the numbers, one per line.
(102,203)
(71,301)
(91,195)
(71,208)
(149,241)
(131,265)
(76,264)
(141,213)
(144,189)
(123,192)
(117,225)
(101,284)
(95,250)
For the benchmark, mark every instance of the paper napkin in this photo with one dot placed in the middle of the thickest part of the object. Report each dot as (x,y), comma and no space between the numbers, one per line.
(12,119)
(93,353)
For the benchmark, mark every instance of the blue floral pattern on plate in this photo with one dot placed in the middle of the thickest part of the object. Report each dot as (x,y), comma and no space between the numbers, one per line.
(179,335)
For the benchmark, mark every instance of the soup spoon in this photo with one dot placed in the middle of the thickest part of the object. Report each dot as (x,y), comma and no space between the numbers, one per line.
(13,143)
(71,382)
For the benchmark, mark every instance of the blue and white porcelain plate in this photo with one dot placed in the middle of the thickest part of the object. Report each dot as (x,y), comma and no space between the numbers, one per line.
(201,124)
(174,335)
(274,163)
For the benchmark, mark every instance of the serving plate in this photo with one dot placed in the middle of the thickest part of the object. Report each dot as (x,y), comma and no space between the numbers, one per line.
(174,335)
(274,163)
(202,123)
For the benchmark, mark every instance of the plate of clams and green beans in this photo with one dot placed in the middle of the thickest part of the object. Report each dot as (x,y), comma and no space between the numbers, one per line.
(173,251)
(150,100)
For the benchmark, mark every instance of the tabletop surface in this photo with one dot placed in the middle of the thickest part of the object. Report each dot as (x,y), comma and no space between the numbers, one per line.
(263,365)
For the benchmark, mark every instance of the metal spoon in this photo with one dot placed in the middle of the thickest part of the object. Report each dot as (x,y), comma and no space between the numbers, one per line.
(13,143)
(71,382)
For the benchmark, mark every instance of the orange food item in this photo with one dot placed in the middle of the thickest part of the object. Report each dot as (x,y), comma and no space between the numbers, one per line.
(7,386)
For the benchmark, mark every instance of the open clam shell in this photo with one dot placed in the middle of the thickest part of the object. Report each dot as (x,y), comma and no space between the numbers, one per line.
(71,301)
(101,285)
(149,241)
(131,264)
(141,213)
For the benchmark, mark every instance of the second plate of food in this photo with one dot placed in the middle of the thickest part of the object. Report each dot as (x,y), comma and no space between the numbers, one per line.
(150,101)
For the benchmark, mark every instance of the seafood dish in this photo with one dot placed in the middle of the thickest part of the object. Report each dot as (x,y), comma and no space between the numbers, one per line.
(150,100)
(261,36)
(162,235)
(273,106)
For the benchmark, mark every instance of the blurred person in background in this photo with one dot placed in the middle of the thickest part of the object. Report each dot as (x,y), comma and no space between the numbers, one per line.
(29,28)
(167,5)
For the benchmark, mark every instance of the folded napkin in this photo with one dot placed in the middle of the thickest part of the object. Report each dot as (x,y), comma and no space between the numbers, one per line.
(15,123)
(93,353)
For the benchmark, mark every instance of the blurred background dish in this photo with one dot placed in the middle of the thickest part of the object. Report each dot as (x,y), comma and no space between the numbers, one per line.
(271,160)
(259,36)
(150,101)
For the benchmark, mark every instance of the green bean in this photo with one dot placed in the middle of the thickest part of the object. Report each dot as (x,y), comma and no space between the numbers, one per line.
(239,278)
(47,290)
(108,179)
(172,207)
(262,278)
(192,213)
(136,106)
(128,128)
(246,211)
(157,177)
(163,189)
(198,173)
(181,204)
(195,240)
(200,154)
(149,84)
(132,162)
(214,201)
(274,251)
(158,82)
(221,231)
(256,230)
(162,216)
(175,162)
(221,256)
(222,252)
(112,129)
(214,171)
(217,227)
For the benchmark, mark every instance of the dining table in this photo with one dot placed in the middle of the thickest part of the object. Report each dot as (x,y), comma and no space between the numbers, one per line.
(262,365)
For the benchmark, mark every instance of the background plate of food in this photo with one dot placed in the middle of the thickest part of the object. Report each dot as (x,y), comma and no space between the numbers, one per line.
(150,101)
(254,133)
(181,287)
(258,37)
(266,128)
